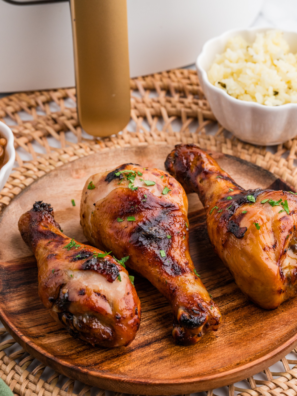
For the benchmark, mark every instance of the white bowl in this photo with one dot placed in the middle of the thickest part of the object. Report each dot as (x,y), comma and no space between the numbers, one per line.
(249,121)
(9,156)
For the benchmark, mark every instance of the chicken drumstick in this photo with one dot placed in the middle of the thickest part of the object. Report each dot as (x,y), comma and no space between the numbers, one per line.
(86,290)
(253,231)
(142,213)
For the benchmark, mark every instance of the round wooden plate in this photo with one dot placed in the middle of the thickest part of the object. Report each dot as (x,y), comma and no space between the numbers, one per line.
(248,340)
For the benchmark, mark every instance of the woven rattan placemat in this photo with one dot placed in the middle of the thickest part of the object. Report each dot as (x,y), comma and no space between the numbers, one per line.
(165,108)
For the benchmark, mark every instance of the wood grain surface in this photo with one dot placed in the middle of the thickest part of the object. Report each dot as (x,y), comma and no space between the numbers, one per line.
(248,340)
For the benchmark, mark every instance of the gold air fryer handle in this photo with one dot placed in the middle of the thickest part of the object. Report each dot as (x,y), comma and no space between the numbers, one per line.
(100,36)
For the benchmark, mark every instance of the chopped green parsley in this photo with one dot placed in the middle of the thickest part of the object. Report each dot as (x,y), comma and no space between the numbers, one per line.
(73,202)
(251,198)
(286,206)
(122,261)
(244,211)
(101,255)
(131,279)
(162,253)
(257,226)
(215,207)
(132,187)
(231,189)
(196,273)
(229,198)
(169,236)
(165,190)
(119,220)
(71,245)
(274,203)
(130,176)
(125,171)
(264,201)
(130,218)
(149,183)
(91,186)
(119,278)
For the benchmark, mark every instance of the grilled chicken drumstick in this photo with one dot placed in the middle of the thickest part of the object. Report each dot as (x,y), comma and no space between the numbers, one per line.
(142,213)
(253,231)
(87,291)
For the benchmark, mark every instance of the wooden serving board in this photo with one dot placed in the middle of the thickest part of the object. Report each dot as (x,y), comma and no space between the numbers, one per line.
(248,340)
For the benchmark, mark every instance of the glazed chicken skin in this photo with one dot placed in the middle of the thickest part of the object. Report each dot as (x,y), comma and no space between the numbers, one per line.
(142,213)
(253,231)
(87,291)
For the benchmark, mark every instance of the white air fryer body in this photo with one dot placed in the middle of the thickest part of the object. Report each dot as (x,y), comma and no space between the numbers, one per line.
(36,41)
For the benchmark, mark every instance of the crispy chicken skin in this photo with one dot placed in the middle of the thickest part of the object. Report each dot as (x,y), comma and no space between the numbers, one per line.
(91,296)
(253,231)
(142,213)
